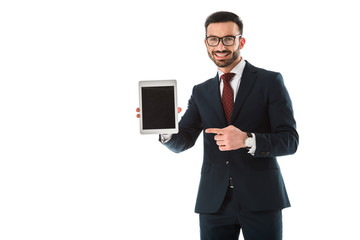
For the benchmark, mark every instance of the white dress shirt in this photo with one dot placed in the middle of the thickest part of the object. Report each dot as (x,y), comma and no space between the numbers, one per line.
(235,82)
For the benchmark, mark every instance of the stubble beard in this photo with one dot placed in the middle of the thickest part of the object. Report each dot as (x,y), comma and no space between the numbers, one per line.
(224,63)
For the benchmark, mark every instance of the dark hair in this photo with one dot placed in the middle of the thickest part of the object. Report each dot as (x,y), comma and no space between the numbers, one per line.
(223,16)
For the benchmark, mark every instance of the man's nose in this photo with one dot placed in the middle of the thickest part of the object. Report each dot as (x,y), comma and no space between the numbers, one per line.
(221,46)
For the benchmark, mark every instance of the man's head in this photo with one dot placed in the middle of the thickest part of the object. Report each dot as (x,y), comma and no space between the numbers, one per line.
(224,39)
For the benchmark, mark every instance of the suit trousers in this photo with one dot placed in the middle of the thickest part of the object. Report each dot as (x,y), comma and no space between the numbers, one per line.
(230,219)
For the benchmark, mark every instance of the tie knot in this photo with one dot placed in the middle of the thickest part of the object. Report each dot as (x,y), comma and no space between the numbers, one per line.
(227,77)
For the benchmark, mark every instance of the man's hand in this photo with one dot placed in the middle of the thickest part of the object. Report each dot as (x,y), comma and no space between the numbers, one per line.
(229,138)
(138,110)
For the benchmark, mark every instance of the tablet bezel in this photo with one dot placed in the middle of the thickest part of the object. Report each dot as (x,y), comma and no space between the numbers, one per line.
(159,83)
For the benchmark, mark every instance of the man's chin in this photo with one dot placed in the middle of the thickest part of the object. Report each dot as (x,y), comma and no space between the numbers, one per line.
(222,63)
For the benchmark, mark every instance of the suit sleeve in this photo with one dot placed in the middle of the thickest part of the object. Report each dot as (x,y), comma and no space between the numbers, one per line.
(190,126)
(283,138)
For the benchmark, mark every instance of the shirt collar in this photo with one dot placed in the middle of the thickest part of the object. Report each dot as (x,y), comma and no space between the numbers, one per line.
(238,69)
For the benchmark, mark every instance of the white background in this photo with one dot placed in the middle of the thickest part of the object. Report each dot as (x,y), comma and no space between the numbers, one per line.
(72,162)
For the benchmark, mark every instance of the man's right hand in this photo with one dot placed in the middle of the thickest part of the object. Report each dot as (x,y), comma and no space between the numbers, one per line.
(138,110)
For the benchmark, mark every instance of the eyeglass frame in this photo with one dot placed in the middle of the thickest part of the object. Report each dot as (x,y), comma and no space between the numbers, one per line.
(222,40)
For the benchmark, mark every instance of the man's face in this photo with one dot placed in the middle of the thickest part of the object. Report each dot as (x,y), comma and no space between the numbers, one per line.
(225,57)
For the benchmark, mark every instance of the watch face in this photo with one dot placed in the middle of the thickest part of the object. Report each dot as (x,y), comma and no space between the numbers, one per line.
(249,142)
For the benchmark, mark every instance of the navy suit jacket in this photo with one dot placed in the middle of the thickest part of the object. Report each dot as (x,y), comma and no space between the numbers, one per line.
(262,107)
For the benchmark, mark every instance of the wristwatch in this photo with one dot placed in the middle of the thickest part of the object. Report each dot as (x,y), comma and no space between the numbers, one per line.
(249,141)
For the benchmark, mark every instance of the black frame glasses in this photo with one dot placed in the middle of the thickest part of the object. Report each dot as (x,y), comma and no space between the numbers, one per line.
(227,40)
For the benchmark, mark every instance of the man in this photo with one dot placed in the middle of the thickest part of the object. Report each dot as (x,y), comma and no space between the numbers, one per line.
(247,118)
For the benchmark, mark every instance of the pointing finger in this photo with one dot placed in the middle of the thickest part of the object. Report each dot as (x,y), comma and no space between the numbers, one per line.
(214,130)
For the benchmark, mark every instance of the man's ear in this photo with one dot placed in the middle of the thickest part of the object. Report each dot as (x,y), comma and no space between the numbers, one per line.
(242,43)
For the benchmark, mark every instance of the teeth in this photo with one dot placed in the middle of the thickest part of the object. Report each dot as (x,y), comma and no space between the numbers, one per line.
(221,54)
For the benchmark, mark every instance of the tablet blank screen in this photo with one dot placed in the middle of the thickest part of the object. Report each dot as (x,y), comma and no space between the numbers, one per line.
(158,107)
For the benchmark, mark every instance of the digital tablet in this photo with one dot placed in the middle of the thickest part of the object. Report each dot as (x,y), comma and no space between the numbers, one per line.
(158,107)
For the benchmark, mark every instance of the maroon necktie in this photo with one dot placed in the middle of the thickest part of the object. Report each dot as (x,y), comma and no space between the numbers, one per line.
(227,95)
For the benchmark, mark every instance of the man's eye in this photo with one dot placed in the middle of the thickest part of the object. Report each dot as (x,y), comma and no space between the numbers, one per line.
(213,39)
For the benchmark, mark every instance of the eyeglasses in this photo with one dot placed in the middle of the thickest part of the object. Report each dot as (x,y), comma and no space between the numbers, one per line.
(213,41)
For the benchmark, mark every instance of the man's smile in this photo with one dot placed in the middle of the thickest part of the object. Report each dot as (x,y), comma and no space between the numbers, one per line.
(222,55)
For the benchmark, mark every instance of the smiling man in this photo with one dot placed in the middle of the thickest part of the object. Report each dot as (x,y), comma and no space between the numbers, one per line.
(246,116)
(226,55)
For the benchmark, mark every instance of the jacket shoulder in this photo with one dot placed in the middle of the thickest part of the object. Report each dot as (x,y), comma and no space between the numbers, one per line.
(262,71)
(207,82)
(265,78)
(205,85)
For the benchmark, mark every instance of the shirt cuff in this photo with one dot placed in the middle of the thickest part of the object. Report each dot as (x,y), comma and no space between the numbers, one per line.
(164,138)
(253,148)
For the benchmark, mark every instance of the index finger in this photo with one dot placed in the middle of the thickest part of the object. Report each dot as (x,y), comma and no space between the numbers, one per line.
(214,130)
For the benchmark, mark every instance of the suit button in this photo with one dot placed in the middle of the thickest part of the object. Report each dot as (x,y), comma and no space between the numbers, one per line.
(231,183)
(227,163)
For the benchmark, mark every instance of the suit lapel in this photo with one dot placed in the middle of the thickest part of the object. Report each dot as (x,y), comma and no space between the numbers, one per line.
(214,94)
(247,82)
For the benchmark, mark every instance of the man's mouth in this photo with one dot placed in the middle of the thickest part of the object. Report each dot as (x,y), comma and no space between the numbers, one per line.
(221,55)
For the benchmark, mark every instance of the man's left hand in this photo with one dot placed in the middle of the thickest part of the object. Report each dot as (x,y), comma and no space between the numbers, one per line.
(229,138)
